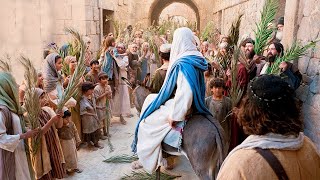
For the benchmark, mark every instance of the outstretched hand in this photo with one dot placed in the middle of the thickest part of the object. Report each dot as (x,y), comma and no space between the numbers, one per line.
(30,133)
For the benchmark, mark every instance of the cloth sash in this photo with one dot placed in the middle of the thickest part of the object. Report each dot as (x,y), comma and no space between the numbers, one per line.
(192,68)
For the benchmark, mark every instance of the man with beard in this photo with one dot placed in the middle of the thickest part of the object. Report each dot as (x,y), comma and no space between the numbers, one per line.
(289,71)
(133,69)
(133,63)
(254,61)
(206,52)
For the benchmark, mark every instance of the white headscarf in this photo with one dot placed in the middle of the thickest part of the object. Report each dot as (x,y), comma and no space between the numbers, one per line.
(183,44)
(50,74)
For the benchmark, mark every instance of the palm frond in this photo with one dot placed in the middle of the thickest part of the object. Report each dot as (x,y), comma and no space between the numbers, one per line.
(263,32)
(235,31)
(31,104)
(72,87)
(295,52)
(121,159)
(236,91)
(5,65)
(207,33)
(146,176)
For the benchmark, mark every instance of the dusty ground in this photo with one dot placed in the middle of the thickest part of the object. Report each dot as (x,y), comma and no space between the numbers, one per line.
(93,167)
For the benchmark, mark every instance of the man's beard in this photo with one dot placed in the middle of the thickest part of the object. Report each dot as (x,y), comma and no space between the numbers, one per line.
(250,54)
(271,58)
(279,35)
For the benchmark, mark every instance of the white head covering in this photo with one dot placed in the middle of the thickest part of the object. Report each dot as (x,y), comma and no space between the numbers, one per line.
(183,44)
(165,48)
(50,73)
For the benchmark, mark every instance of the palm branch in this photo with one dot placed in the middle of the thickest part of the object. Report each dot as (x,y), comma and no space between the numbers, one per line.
(121,159)
(5,65)
(235,30)
(72,88)
(31,104)
(263,32)
(235,91)
(295,52)
(146,176)
(207,32)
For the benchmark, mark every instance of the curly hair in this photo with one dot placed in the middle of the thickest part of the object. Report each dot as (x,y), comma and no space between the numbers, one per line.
(269,107)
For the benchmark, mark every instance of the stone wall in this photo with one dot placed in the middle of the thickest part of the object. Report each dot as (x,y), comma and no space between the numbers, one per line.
(302,23)
(227,12)
(28,26)
(309,29)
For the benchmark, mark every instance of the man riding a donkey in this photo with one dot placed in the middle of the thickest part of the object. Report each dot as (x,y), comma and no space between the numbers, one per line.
(181,99)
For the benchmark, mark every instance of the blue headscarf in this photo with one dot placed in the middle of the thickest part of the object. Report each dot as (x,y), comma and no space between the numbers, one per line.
(192,68)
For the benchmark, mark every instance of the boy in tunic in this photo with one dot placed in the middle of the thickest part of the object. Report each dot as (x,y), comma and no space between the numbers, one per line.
(102,93)
(89,118)
(220,105)
(69,140)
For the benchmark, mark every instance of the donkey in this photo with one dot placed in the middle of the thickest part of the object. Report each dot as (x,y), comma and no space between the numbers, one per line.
(204,144)
(203,141)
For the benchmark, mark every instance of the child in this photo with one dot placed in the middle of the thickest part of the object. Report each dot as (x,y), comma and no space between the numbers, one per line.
(89,117)
(69,140)
(102,92)
(92,75)
(48,161)
(220,105)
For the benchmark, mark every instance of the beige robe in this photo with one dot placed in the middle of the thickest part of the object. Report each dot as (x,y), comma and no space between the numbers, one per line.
(69,148)
(121,100)
(248,164)
(101,103)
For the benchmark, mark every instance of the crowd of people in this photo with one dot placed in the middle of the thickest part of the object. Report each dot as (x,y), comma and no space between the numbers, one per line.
(106,90)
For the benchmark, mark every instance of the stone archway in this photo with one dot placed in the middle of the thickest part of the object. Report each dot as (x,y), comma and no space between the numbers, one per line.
(158,5)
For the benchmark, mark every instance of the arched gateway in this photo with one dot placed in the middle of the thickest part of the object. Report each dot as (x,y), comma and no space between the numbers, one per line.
(158,5)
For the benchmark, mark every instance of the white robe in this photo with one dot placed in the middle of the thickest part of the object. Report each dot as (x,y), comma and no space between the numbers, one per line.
(13,143)
(155,127)
(121,100)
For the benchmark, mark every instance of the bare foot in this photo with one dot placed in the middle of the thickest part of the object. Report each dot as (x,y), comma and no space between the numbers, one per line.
(136,165)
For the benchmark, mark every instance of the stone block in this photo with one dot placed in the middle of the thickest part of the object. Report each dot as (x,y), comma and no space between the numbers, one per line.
(303,64)
(96,14)
(313,68)
(311,118)
(88,28)
(89,2)
(59,27)
(317,49)
(89,13)
(315,85)
(78,12)
(309,98)
(306,79)
(304,29)
(93,28)
(302,92)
